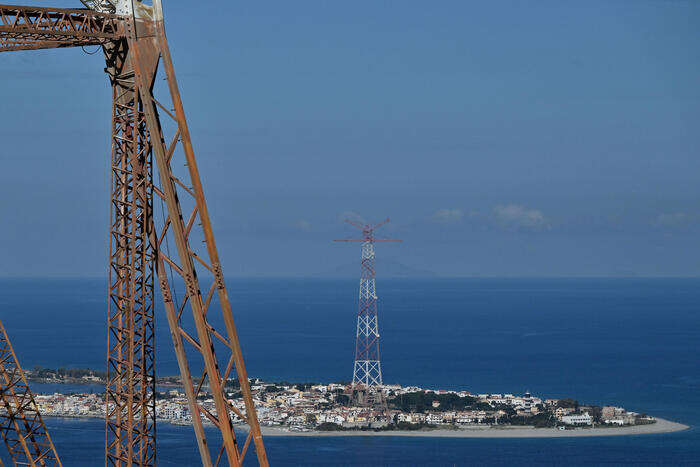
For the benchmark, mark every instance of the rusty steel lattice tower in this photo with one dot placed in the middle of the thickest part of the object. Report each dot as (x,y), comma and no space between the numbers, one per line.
(22,429)
(367,370)
(150,145)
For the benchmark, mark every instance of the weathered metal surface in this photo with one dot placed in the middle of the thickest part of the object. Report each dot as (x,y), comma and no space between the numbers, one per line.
(130,394)
(104,6)
(134,46)
(31,28)
(21,426)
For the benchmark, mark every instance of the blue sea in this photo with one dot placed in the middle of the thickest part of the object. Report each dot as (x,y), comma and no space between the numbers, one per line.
(628,342)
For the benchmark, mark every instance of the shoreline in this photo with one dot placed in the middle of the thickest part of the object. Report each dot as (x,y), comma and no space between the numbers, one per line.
(503,432)
(661,426)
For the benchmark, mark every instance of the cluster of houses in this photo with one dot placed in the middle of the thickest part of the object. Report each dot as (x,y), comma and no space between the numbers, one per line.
(320,406)
(609,415)
(73,405)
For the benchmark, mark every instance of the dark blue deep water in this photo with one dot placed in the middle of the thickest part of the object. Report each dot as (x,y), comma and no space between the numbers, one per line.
(632,342)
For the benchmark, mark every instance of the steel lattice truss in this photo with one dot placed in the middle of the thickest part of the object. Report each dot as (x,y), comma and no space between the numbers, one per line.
(22,429)
(146,154)
(131,373)
(367,370)
(28,28)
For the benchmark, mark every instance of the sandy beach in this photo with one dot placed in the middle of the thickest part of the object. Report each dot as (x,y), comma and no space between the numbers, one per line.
(661,426)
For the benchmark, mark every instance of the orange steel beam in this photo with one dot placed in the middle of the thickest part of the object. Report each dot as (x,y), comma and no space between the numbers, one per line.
(130,394)
(31,28)
(21,426)
(134,46)
(234,343)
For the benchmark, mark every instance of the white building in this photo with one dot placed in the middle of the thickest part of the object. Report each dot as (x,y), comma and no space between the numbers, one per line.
(579,419)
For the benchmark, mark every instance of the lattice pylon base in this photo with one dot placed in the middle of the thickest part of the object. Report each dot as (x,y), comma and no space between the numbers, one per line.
(21,426)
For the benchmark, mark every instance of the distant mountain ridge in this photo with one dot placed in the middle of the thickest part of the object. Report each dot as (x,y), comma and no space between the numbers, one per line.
(386,267)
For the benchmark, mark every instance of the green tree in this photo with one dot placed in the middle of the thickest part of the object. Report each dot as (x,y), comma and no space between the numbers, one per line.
(328,426)
(567,403)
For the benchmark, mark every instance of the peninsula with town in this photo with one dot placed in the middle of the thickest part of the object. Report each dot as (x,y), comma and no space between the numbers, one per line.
(336,409)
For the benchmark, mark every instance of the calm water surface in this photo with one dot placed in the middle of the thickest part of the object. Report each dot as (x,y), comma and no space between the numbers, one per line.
(632,342)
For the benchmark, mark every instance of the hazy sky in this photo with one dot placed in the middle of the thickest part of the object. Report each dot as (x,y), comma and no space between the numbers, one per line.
(502,138)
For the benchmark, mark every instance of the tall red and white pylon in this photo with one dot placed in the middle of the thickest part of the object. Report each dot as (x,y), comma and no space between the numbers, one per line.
(367,370)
